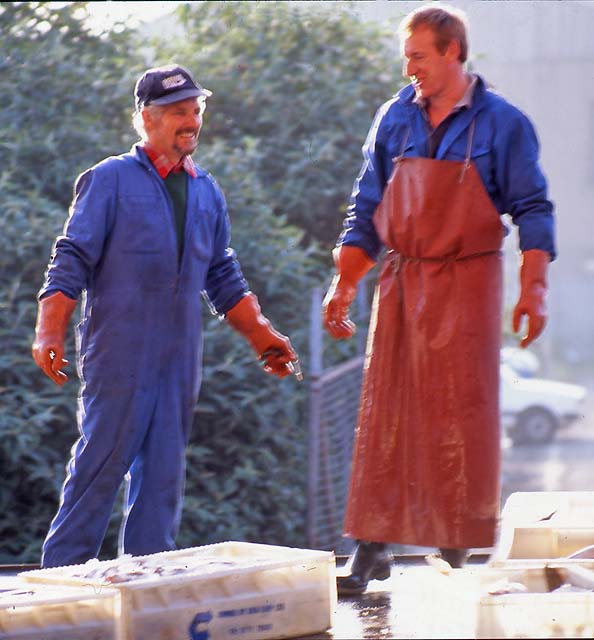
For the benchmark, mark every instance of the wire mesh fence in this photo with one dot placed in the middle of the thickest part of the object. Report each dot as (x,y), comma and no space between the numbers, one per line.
(334,402)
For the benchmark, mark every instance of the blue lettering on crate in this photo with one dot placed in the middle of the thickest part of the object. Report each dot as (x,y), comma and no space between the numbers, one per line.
(238,631)
(265,608)
(201,618)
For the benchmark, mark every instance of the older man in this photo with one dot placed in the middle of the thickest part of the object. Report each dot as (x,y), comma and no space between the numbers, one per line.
(443,160)
(148,231)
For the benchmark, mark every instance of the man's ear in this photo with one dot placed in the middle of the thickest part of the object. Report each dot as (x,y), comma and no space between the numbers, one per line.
(146,119)
(452,52)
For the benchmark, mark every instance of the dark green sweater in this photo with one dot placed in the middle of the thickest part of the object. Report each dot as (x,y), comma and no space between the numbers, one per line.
(176,184)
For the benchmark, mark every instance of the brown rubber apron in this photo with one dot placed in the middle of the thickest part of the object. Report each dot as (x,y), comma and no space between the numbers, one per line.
(426,463)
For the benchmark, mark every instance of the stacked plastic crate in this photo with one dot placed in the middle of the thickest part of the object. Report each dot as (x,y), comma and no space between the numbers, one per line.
(226,590)
(540,580)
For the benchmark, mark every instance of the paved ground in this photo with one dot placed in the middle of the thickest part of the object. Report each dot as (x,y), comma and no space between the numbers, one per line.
(419,602)
(416,602)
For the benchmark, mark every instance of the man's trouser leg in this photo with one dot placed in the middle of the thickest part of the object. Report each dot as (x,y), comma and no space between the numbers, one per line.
(155,489)
(112,432)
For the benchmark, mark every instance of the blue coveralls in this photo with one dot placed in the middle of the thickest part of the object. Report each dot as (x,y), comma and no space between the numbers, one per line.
(139,347)
(504,150)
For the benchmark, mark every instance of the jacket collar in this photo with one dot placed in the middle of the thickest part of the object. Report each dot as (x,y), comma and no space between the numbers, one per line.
(458,125)
(164,166)
(139,154)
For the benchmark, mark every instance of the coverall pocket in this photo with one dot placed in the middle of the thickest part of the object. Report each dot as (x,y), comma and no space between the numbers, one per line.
(143,227)
(480,155)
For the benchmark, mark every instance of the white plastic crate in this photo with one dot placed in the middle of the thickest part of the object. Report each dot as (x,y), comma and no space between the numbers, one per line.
(544,525)
(50,612)
(536,613)
(227,590)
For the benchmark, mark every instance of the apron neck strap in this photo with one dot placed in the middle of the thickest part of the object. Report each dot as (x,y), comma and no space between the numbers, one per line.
(399,157)
(468,150)
(469,144)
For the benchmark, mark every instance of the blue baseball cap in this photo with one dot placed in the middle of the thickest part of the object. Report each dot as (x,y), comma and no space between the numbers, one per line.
(164,85)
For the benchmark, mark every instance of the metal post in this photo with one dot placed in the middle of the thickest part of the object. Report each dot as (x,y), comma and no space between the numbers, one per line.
(315,333)
(316,356)
(362,309)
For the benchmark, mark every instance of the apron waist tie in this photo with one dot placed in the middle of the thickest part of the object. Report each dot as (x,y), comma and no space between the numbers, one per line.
(397,259)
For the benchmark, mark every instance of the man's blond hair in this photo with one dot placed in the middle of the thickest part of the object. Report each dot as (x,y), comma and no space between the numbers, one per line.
(446,23)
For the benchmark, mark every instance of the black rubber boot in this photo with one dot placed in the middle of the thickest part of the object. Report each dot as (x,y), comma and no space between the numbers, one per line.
(455,557)
(370,561)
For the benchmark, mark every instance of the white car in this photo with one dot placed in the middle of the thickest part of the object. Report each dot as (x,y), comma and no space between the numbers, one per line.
(533,409)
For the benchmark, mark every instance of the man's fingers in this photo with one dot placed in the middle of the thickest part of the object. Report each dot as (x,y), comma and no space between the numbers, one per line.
(337,322)
(535,327)
(278,372)
(59,377)
(51,363)
(277,368)
(343,329)
(55,370)
(282,363)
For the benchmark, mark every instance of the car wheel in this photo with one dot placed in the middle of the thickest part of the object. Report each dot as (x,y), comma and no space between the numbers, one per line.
(535,426)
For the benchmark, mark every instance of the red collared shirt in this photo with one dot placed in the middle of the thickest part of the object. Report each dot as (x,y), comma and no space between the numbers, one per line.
(164,166)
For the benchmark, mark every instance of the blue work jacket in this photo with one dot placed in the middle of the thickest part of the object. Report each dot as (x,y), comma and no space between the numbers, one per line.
(504,149)
(142,309)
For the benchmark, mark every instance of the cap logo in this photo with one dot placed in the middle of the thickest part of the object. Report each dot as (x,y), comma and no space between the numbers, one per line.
(173,81)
